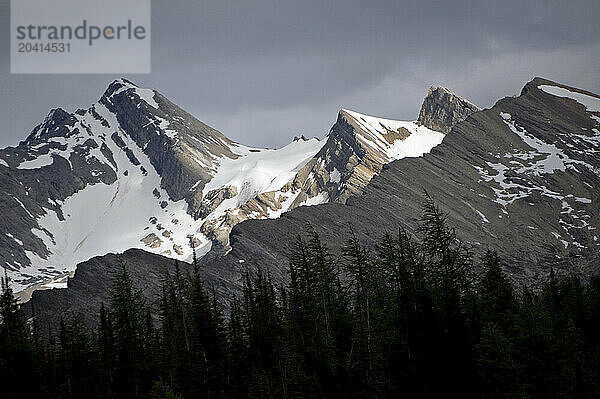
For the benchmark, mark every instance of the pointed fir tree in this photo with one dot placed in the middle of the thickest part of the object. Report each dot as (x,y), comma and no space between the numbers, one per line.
(127,314)
(17,348)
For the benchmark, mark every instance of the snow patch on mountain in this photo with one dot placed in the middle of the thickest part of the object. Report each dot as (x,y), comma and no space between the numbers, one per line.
(591,103)
(395,139)
(39,162)
(146,95)
(550,157)
(261,170)
(335,176)
(543,159)
(320,198)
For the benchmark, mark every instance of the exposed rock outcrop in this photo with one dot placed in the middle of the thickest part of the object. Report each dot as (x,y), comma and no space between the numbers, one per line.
(442,109)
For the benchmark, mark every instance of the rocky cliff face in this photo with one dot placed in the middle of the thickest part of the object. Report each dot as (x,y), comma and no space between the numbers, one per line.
(181,149)
(442,109)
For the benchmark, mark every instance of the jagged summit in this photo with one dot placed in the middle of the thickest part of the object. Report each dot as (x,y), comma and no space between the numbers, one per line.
(116,85)
(356,149)
(133,93)
(442,109)
(54,125)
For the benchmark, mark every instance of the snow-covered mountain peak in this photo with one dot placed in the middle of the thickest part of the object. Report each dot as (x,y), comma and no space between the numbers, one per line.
(56,124)
(356,149)
(134,170)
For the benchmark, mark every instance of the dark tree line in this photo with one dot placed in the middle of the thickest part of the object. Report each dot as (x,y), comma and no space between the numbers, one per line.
(408,318)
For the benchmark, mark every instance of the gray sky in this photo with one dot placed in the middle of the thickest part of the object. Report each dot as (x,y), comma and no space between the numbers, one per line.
(264,71)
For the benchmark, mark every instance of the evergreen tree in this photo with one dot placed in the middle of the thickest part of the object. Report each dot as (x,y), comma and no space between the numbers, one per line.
(498,303)
(17,349)
(409,358)
(262,322)
(127,315)
(319,320)
(77,361)
(106,354)
(497,369)
(176,346)
(371,309)
(449,275)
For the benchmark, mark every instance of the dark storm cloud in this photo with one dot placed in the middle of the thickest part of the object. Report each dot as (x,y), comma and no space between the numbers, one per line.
(263,71)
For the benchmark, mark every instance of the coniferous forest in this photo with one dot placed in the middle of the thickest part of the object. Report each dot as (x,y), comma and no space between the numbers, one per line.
(415,316)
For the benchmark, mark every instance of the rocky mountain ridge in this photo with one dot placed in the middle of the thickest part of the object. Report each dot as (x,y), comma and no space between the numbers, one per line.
(524,184)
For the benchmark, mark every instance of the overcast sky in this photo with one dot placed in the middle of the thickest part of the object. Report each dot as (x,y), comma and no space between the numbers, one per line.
(264,71)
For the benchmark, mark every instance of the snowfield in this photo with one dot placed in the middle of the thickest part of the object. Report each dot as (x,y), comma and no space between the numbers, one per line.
(260,170)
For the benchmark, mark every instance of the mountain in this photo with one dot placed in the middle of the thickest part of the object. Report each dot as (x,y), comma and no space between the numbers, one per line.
(136,171)
(521,177)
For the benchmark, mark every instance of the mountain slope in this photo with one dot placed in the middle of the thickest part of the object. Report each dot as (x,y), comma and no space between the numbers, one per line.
(526,185)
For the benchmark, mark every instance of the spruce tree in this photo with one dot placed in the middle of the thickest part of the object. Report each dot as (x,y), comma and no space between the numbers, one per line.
(498,303)
(127,314)
(18,351)
(364,284)
(448,274)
